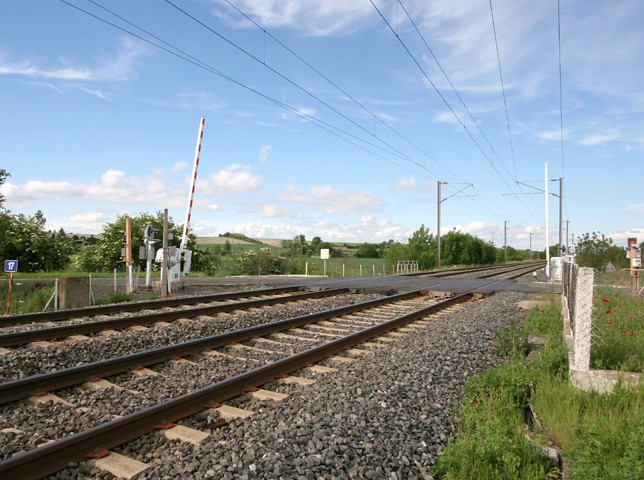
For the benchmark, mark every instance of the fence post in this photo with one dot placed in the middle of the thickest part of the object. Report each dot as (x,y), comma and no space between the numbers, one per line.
(583,319)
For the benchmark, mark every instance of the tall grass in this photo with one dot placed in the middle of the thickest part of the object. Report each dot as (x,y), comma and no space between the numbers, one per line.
(617,331)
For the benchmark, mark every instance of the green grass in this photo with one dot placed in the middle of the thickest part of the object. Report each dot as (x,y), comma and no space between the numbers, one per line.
(27,295)
(601,434)
(617,331)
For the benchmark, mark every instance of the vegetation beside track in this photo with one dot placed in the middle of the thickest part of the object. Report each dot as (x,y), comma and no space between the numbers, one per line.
(600,434)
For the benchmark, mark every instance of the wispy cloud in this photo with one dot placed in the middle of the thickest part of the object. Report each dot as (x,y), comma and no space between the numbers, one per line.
(308,17)
(263,153)
(117,67)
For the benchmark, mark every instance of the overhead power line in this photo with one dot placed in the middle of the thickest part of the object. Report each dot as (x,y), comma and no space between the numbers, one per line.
(442,97)
(505,103)
(375,116)
(175,51)
(295,84)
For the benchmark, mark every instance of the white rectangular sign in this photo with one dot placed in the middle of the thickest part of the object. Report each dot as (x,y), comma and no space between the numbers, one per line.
(324,253)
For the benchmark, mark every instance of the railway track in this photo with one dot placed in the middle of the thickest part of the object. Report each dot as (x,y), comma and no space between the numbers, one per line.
(306,339)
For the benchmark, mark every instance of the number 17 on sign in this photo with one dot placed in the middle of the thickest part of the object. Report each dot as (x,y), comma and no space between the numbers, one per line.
(10,266)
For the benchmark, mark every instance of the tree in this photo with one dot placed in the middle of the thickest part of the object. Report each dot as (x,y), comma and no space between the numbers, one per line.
(368,250)
(395,252)
(596,251)
(464,249)
(422,248)
(3,178)
(25,239)
(107,254)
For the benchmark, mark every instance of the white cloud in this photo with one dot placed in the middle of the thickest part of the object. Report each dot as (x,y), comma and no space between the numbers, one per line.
(263,153)
(87,217)
(235,178)
(331,200)
(599,139)
(274,211)
(409,184)
(309,17)
(114,187)
(117,67)
(404,184)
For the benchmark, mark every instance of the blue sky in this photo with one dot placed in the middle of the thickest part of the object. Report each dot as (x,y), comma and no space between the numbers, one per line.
(323,118)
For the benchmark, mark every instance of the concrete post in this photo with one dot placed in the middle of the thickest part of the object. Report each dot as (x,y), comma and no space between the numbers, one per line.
(583,321)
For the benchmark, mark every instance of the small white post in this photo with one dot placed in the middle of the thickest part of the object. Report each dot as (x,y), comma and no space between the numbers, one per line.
(374,270)
(115,279)
(361,270)
(56,295)
(306,269)
(343,269)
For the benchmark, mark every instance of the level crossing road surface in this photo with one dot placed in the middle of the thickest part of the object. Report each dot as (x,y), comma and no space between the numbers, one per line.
(398,283)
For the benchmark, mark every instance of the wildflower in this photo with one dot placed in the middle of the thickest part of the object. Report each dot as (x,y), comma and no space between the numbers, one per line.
(616,296)
(630,315)
(608,312)
(611,323)
(475,401)
(605,300)
(628,332)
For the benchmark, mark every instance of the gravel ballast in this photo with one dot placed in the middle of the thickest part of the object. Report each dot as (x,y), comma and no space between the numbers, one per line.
(386,415)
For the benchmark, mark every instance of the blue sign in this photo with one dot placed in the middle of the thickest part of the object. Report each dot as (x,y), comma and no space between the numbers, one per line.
(11,266)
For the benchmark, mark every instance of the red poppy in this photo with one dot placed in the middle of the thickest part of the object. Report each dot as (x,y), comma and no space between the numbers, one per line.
(543,311)
(628,332)
(611,323)
(630,315)
(605,300)
(608,312)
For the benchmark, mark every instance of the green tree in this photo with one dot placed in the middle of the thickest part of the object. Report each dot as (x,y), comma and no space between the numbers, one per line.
(3,178)
(25,239)
(422,248)
(259,262)
(107,254)
(315,245)
(596,251)
(368,250)
(395,252)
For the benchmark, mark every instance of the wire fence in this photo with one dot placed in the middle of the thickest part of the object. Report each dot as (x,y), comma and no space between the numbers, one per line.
(28,295)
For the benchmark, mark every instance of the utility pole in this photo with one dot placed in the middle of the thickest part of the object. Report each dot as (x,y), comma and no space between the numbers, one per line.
(505,241)
(567,225)
(560,180)
(547,225)
(530,244)
(438,224)
(438,216)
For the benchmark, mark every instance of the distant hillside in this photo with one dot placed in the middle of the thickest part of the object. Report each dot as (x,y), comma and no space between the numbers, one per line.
(221,241)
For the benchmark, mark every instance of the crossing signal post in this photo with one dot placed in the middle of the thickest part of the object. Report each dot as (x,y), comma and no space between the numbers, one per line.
(635,255)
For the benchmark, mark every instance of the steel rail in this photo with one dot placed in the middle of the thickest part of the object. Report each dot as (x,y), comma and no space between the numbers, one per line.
(52,457)
(20,319)
(20,338)
(24,387)
(460,271)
